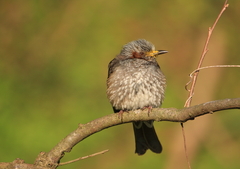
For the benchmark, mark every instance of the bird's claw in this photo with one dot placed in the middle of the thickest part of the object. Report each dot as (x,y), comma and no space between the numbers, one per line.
(149,109)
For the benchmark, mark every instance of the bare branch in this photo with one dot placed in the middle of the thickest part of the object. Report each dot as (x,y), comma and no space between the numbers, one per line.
(194,74)
(82,158)
(51,159)
(205,50)
(158,114)
(213,66)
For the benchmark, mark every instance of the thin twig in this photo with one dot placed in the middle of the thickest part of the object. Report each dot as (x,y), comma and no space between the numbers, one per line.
(81,158)
(185,146)
(206,67)
(194,76)
(213,66)
(205,50)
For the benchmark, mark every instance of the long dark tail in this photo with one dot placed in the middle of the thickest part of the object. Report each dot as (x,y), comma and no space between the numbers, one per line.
(146,137)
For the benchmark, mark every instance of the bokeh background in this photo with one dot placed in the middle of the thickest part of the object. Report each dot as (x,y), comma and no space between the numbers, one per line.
(53,69)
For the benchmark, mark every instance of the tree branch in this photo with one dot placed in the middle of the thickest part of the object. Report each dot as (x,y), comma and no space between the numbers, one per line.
(157,114)
(52,158)
(193,79)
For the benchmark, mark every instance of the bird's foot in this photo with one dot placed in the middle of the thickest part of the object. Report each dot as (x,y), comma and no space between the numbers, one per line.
(149,109)
(120,114)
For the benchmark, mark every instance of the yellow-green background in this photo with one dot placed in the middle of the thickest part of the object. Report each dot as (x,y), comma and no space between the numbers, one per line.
(53,69)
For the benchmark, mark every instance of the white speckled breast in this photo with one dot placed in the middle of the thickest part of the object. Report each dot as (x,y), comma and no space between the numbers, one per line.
(136,83)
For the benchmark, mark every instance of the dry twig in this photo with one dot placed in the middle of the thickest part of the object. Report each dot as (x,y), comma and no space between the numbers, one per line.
(194,75)
(205,50)
(82,158)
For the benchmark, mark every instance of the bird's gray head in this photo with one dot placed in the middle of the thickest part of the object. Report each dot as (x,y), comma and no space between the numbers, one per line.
(140,49)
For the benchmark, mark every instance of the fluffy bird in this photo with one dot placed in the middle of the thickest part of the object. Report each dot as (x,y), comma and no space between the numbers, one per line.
(135,81)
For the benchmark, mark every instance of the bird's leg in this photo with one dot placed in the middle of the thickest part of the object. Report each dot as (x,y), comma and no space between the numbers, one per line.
(120,114)
(149,109)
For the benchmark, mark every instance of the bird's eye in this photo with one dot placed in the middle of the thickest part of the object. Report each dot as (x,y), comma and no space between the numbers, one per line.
(141,53)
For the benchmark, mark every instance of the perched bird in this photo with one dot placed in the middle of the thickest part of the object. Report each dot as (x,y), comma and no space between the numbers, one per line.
(135,81)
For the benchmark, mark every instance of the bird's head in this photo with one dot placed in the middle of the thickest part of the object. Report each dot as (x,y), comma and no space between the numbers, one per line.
(140,49)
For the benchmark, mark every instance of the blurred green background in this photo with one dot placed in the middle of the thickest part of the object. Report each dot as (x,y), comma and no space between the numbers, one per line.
(53,69)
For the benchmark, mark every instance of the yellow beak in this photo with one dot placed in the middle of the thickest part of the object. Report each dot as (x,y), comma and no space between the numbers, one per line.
(155,53)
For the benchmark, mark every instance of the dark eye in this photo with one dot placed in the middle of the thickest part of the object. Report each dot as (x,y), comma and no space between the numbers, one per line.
(141,53)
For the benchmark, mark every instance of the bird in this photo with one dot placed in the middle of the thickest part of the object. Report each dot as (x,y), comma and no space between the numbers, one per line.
(135,81)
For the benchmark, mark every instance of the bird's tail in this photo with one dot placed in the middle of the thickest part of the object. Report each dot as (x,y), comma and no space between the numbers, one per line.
(146,137)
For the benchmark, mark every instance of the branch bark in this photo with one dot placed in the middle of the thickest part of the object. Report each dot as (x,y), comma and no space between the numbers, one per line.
(51,159)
